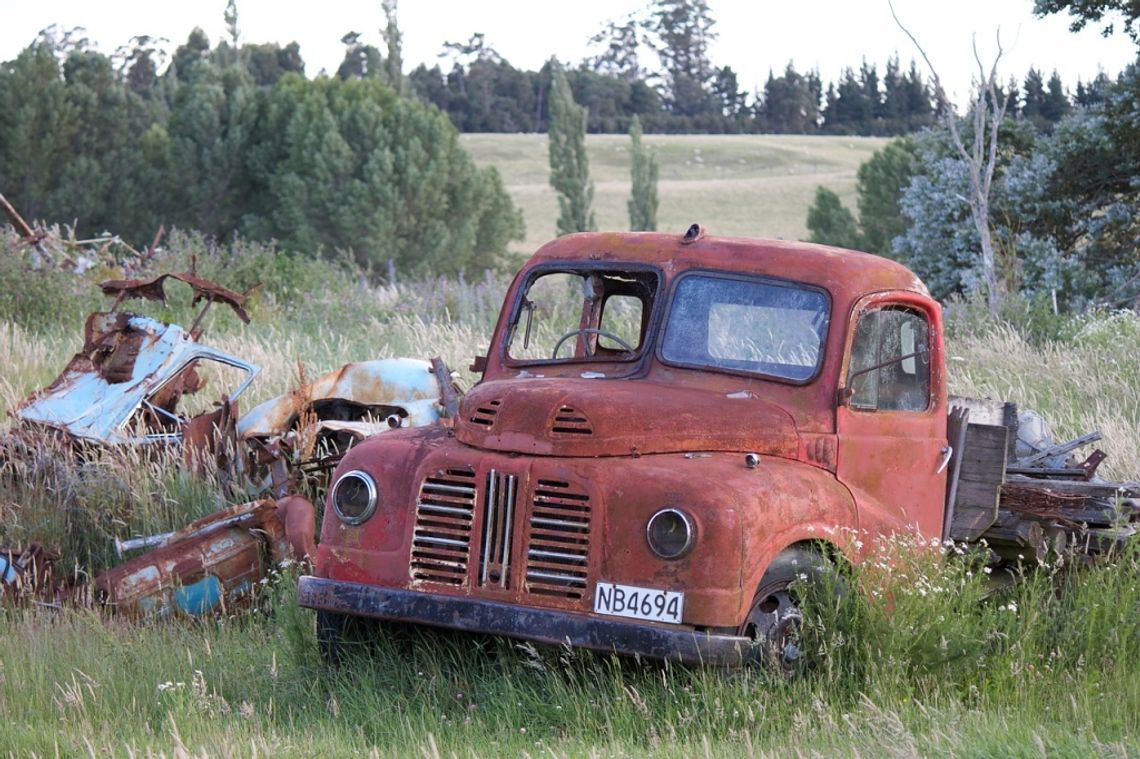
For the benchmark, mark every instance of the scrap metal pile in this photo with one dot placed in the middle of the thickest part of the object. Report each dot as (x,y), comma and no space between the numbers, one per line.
(1028,497)
(135,383)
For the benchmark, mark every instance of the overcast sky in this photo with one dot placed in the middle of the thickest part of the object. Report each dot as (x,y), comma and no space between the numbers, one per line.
(755,36)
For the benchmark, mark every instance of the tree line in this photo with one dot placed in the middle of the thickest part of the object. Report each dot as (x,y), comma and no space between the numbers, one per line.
(234,140)
(655,65)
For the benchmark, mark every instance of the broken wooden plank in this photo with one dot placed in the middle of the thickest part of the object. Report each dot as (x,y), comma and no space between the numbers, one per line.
(1060,473)
(979,481)
(991,412)
(1059,449)
(1077,487)
(956,423)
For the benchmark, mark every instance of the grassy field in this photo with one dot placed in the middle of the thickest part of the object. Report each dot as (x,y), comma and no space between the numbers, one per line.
(751,185)
(1046,669)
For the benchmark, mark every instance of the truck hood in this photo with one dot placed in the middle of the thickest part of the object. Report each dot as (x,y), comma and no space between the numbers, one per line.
(594,417)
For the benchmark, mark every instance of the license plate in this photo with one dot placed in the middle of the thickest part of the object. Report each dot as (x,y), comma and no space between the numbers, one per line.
(639,603)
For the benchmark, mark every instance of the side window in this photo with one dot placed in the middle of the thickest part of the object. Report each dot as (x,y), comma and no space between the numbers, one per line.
(890,361)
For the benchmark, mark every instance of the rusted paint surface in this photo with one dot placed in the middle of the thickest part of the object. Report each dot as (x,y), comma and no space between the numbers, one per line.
(403,386)
(589,448)
(743,517)
(124,386)
(677,419)
(890,459)
(205,567)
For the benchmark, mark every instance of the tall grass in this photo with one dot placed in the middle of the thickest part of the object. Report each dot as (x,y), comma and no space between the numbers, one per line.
(923,666)
(920,661)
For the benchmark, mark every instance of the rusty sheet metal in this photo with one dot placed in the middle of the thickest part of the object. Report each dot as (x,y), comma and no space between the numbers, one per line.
(205,567)
(547,483)
(846,275)
(580,417)
(127,361)
(404,386)
(154,289)
(575,521)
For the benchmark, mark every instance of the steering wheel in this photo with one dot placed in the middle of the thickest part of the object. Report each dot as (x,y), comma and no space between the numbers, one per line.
(590,331)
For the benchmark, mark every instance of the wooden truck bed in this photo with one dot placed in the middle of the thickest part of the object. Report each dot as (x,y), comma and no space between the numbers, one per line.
(1024,508)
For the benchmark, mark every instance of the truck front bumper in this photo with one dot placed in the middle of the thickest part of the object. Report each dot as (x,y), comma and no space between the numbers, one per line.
(654,641)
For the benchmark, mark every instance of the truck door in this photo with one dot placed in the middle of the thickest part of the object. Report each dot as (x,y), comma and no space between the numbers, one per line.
(891,414)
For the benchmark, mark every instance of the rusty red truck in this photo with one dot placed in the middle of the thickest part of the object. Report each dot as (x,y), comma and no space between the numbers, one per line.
(669,430)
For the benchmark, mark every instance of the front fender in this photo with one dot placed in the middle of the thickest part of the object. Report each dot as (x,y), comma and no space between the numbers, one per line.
(743,516)
(803,505)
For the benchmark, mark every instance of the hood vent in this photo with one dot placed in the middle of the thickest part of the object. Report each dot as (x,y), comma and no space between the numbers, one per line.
(485,414)
(571,422)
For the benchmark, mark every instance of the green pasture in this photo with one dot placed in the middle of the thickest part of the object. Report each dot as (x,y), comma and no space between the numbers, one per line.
(749,185)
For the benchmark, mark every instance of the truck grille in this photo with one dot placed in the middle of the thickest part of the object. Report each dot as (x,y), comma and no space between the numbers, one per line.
(444,512)
(498,526)
(559,542)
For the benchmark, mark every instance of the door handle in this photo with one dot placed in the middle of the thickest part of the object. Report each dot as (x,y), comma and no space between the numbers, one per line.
(947,452)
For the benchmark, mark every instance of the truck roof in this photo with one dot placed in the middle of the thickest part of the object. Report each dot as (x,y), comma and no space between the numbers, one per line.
(846,274)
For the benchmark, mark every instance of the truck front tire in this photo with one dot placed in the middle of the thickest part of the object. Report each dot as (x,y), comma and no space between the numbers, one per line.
(775,620)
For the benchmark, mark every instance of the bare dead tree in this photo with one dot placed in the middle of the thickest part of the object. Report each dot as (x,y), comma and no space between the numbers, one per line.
(989,106)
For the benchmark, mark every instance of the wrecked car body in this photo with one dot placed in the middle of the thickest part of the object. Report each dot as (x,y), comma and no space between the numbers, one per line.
(356,401)
(128,382)
(124,387)
(211,564)
(138,381)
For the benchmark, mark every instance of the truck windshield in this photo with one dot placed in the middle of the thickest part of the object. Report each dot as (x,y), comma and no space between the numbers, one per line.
(746,325)
(590,315)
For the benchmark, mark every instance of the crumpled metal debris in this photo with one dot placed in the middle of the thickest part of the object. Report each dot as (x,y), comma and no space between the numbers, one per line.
(360,399)
(212,564)
(125,385)
(154,289)
(27,572)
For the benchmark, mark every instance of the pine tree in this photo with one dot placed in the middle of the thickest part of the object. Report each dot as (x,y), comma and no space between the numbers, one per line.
(1056,105)
(569,165)
(1034,96)
(830,222)
(682,30)
(643,173)
(881,180)
(393,38)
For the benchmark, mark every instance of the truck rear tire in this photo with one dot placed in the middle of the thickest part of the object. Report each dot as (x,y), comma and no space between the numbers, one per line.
(775,619)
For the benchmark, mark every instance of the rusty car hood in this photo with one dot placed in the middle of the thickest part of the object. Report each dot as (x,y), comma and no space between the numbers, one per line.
(595,417)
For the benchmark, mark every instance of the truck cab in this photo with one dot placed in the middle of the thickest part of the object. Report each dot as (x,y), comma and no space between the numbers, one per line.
(667,431)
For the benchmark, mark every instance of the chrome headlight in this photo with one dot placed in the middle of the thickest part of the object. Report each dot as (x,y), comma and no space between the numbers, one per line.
(670,533)
(354,497)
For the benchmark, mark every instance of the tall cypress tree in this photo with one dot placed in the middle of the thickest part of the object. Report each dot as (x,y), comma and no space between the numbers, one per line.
(569,165)
(643,173)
